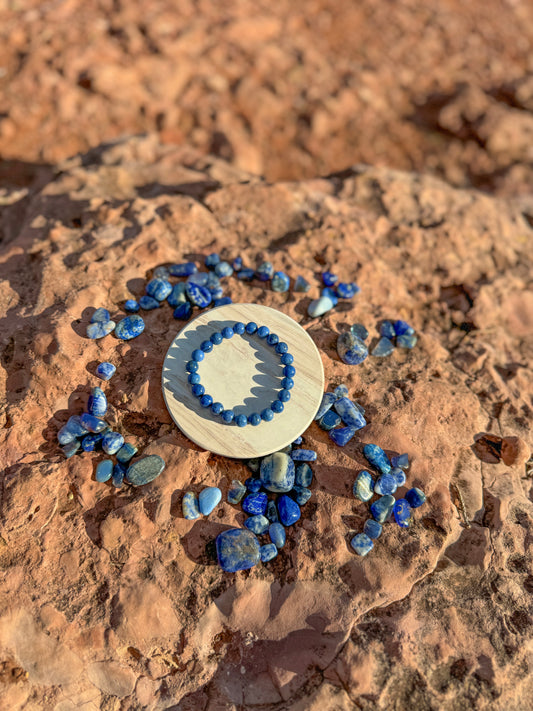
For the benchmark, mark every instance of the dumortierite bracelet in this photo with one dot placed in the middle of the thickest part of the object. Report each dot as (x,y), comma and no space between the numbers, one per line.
(217,408)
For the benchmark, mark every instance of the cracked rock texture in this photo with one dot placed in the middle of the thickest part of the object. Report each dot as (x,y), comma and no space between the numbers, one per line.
(111,600)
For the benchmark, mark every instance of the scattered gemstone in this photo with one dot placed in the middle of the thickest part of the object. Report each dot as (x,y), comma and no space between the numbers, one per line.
(304,455)
(161,272)
(223,301)
(130,327)
(347,291)
(92,423)
(253,485)
(105,370)
(402,461)
(277,472)
(189,506)
(377,457)
(359,331)
(236,492)
(402,513)
(363,487)
(327,401)
(101,315)
(183,311)
(223,269)
(383,348)
(183,270)
(100,329)
(237,549)
(208,499)
(265,271)
(415,497)
(372,528)
(145,470)
(255,503)
(272,512)
(362,544)
(118,476)
(131,306)
(104,471)
(126,452)
(212,260)
(304,475)
(112,442)
(280,282)
(301,285)
(90,442)
(277,534)
(340,391)
(246,274)
(329,278)
(71,430)
(288,510)
(382,508)
(387,329)
(267,552)
(385,484)
(302,494)
(198,295)
(298,440)
(97,403)
(198,278)
(329,420)
(399,476)
(158,288)
(351,349)
(402,327)
(177,295)
(237,264)
(342,435)
(258,524)
(319,307)
(349,413)
(70,448)
(148,303)
(406,341)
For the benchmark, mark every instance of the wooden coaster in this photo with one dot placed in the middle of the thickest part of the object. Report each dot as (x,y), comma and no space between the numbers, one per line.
(244,374)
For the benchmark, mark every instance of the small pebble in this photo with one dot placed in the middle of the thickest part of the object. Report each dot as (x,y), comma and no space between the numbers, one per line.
(362,544)
(372,529)
(161,272)
(349,413)
(145,470)
(71,430)
(402,328)
(100,329)
(387,329)
(253,485)
(515,451)
(236,492)
(377,457)
(158,288)
(383,348)
(257,524)
(277,534)
(90,442)
(148,303)
(255,504)
(265,271)
(212,260)
(208,499)
(382,508)
(101,315)
(329,420)
(280,282)
(402,461)
(319,307)
(327,401)
(189,506)
(304,475)
(177,295)
(130,327)
(277,472)
(329,279)
(246,274)
(237,264)
(97,403)
(399,476)
(272,512)
(301,285)
(351,349)
(70,448)
(223,301)
(298,440)
(104,471)
(359,330)
(198,295)
(126,452)
(304,455)
(288,510)
(385,484)
(112,442)
(415,497)
(347,291)
(183,270)
(198,278)
(342,435)
(183,311)
(402,513)
(237,549)
(363,488)
(131,306)
(92,423)
(406,341)
(105,370)
(118,476)
(223,269)
(302,494)
(267,552)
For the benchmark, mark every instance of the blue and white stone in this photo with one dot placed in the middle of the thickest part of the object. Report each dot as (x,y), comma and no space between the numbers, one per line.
(402,328)
(301,285)
(331,294)
(101,315)
(145,470)
(319,307)
(97,403)
(402,513)
(301,494)
(304,455)
(189,506)
(399,476)
(257,524)
(329,421)
(402,461)
(347,291)
(277,534)
(372,528)
(105,370)
(208,499)
(349,413)
(161,272)
(131,306)
(236,492)
(351,349)
(288,510)
(237,549)
(104,471)
(382,508)
(100,329)
(327,401)
(304,475)
(70,448)
(329,279)
(198,278)
(255,504)
(342,435)
(216,292)
(359,330)
(198,295)
(70,431)
(246,274)
(183,311)
(212,260)
(363,488)
(118,476)
(148,303)
(280,282)
(264,271)
(130,327)
(92,423)
(272,512)
(377,457)
(90,442)
(277,472)
(362,544)
(158,288)
(253,485)
(177,295)
(383,348)
(406,341)
(237,264)
(267,552)
(415,497)
(112,442)
(223,269)
(340,391)
(385,484)
(183,270)
(126,452)
(387,329)
(298,440)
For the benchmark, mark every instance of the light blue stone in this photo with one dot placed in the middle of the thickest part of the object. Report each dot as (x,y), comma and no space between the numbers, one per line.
(280,282)
(377,457)
(383,348)
(288,510)
(363,487)
(148,303)
(402,461)
(126,452)
(183,270)
(399,476)
(90,442)
(189,506)
(223,269)
(71,430)
(70,448)
(104,471)
(101,315)
(208,499)
(212,260)
(277,472)
(402,513)
(319,307)
(277,534)
(382,508)
(415,497)
(257,524)
(183,311)
(330,294)
(351,349)
(342,435)
(223,301)
(177,295)
(92,423)
(406,341)
(372,529)
(329,421)
(387,329)
(402,328)
(198,295)
(304,475)
(112,442)
(362,544)
(267,552)
(301,285)
(359,330)
(236,491)
(347,290)
(385,484)
(349,414)
(145,470)
(130,327)
(340,391)
(255,504)
(97,403)
(246,274)
(303,455)
(298,440)
(272,512)
(131,306)
(264,271)
(237,549)
(302,494)
(118,476)
(100,329)
(158,288)
(105,370)
(329,279)
(198,278)
(327,401)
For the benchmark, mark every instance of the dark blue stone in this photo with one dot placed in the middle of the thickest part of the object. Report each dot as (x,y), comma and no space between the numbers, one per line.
(212,260)
(387,329)
(372,528)
(251,327)
(198,355)
(104,471)
(145,470)
(329,278)
(406,341)
(228,415)
(304,455)
(327,401)
(289,371)
(304,475)
(101,315)
(402,327)
(284,395)
(282,348)
(377,457)
(183,270)
(92,423)
(301,285)
(277,534)
(198,295)
(402,513)
(223,269)
(272,339)
(302,494)
(288,510)
(363,487)
(126,452)
(277,472)
(131,306)
(158,288)
(161,272)
(362,544)
(216,293)
(329,421)
(216,338)
(267,414)
(359,330)
(71,430)
(253,485)
(97,403)
(415,497)
(217,408)
(280,282)
(206,346)
(349,413)
(330,294)
(320,306)
(246,274)
(118,476)
(255,503)
(382,508)
(105,370)
(342,435)
(177,296)
(130,327)
(272,512)
(183,311)
(237,264)
(189,506)
(277,406)
(90,442)
(224,301)
(265,271)
(100,329)
(347,291)
(148,303)
(241,420)
(191,366)
(254,419)
(385,484)
(263,331)
(70,448)
(237,549)
(236,492)
(198,278)
(383,348)
(258,524)
(112,442)
(213,282)
(298,440)
(287,383)
(267,552)
(351,349)
(287,359)
(208,499)
(402,461)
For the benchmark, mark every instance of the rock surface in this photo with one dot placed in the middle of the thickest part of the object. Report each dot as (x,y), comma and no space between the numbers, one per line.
(112,599)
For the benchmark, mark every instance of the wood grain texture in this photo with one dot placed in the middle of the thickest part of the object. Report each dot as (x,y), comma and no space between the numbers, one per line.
(243,373)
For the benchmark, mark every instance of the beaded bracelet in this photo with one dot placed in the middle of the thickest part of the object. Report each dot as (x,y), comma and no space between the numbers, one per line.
(217,408)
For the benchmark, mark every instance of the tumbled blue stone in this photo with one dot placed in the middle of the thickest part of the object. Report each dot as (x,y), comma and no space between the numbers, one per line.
(350,414)
(213,282)
(399,476)
(330,294)
(277,472)
(198,295)
(351,349)
(198,355)
(198,278)
(158,288)
(287,359)
(277,406)
(223,269)
(100,329)
(267,552)
(383,348)
(92,423)
(387,329)
(246,274)
(342,435)
(118,476)
(272,512)
(191,366)
(329,279)
(126,452)
(90,442)
(227,332)
(402,327)
(347,290)
(71,430)
(161,272)
(177,295)
(183,311)
(303,475)
(362,544)
(402,513)
(101,315)
(402,461)
(301,494)
(377,457)
(329,421)
(237,264)
(327,401)
(301,285)
(145,470)
(131,306)
(130,327)
(216,293)
(363,487)
(222,301)
(237,549)
(406,341)
(359,331)
(255,503)
(105,370)
(304,455)
(189,506)
(212,260)
(253,485)
(280,282)
(298,440)
(148,303)
(340,391)
(372,528)
(183,270)
(97,403)
(209,498)
(284,395)
(288,510)
(193,378)
(385,484)
(415,497)
(112,442)
(264,271)
(236,491)
(240,420)
(277,534)
(287,383)
(382,508)
(70,448)
(319,307)
(258,524)
(104,471)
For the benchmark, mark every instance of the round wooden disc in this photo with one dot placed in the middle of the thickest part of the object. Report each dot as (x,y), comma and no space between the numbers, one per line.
(244,373)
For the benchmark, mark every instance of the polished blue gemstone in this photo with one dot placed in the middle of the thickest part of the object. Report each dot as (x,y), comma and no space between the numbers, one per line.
(363,487)
(100,329)
(387,329)
(301,494)
(319,307)
(372,528)
(237,264)
(254,419)
(277,406)
(258,524)
(198,278)
(272,339)
(329,278)
(191,366)
(228,415)
(362,544)
(298,440)
(281,348)
(224,301)
(272,512)
(145,470)
(329,420)
(198,355)
(383,348)
(118,476)
(399,476)
(217,408)
(148,303)
(402,461)
(377,457)
(216,338)
(304,475)
(131,306)
(330,294)
(287,383)
(227,332)
(126,452)
(351,349)
(198,295)
(206,346)
(97,403)
(265,271)
(105,370)
(327,401)
(161,272)
(277,534)
(177,296)
(198,390)
(216,293)
(223,269)
(72,430)
(237,549)
(206,401)
(101,315)
(340,391)
(287,358)
(212,260)
(288,510)
(92,423)
(385,484)
(301,285)
(284,395)
(277,472)
(255,503)
(251,327)
(253,485)
(236,492)
(342,435)
(241,420)
(246,274)
(130,327)
(402,513)
(104,471)
(183,270)
(402,327)
(90,442)
(347,291)
(70,449)
(350,414)
(267,414)
(359,331)
(194,378)
(303,455)
(183,311)
(415,497)
(263,331)
(280,282)
(406,341)
(158,288)
(267,552)
(189,506)
(289,371)
(112,442)
(239,328)
(382,508)
(208,499)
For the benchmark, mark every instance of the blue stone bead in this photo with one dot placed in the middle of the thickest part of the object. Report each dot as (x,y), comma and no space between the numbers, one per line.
(71,430)
(159,288)
(228,415)
(303,476)
(223,301)
(183,311)
(289,371)
(253,485)
(254,419)
(112,442)
(236,492)
(272,339)
(350,415)
(415,497)
(216,293)
(131,306)
(227,332)
(384,348)
(255,503)
(183,270)
(277,534)
(387,329)
(206,401)
(104,471)
(194,378)
(272,512)
(287,358)
(359,331)
(277,406)
(377,457)
(101,315)
(327,401)
(406,341)
(329,421)
(92,423)
(208,499)
(302,495)
(126,452)
(280,282)
(267,414)
(363,487)
(287,383)
(340,391)
(402,461)
(212,260)
(402,513)
(399,476)
(198,390)
(189,506)
(239,328)
(97,403)
(265,271)
(362,544)
(191,366)
(329,278)
(277,472)
(342,435)
(385,484)
(330,294)
(251,327)
(288,510)
(177,296)
(382,508)
(70,449)
(237,549)
(298,440)
(303,455)
(148,303)
(319,307)
(130,327)
(223,269)
(246,274)
(301,285)
(90,442)
(198,279)
(282,348)
(347,291)
(206,346)
(284,395)
(105,370)
(258,524)
(237,264)
(263,331)
(351,349)
(100,329)
(216,338)
(267,552)
(145,470)
(372,529)
(217,408)
(241,420)
(198,295)
(198,355)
